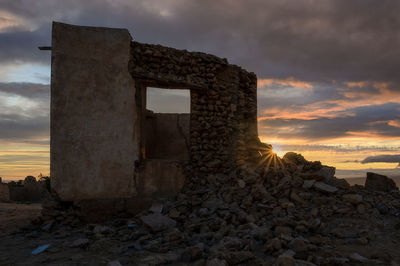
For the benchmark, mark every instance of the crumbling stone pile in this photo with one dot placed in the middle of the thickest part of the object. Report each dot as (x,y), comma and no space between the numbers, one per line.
(293,213)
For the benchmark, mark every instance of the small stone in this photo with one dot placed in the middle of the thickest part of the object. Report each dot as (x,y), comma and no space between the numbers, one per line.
(114,263)
(353,198)
(158,222)
(48,226)
(237,257)
(383,209)
(192,253)
(78,243)
(40,249)
(272,245)
(361,208)
(156,207)
(174,213)
(135,246)
(299,245)
(283,230)
(241,183)
(358,258)
(101,229)
(308,183)
(286,259)
(216,262)
(320,186)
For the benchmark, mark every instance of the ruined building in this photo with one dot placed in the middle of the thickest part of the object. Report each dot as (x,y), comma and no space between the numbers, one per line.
(105,145)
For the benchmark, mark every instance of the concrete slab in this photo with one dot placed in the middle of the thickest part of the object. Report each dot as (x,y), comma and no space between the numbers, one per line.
(94,134)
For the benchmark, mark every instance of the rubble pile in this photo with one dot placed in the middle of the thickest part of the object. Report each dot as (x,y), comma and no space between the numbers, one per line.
(288,212)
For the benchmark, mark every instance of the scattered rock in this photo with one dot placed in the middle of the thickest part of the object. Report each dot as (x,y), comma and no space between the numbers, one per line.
(156,207)
(379,183)
(358,258)
(192,253)
(114,263)
(40,249)
(299,245)
(286,259)
(79,243)
(308,183)
(158,222)
(216,262)
(353,198)
(325,187)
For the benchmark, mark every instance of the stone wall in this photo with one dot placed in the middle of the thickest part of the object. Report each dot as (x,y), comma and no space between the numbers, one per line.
(223,119)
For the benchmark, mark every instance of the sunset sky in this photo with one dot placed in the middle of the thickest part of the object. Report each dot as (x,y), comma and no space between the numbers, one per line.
(328,70)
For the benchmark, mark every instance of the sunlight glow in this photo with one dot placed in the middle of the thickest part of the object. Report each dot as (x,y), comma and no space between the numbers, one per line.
(270,161)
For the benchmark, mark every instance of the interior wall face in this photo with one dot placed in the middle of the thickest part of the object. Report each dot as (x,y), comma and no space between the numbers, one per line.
(94,129)
(167,136)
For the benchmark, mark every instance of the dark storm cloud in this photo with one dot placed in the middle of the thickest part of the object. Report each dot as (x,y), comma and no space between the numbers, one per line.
(369,119)
(28,90)
(24,118)
(310,40)
(17,128)
(382,159)
(327,43)
(22,46)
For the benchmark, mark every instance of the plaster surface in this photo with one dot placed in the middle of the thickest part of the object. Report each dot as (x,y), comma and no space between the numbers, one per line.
(94,133)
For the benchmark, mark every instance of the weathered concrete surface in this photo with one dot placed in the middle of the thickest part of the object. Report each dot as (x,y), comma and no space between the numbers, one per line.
(94,137)
(160,178)
(4,193)
(167,136)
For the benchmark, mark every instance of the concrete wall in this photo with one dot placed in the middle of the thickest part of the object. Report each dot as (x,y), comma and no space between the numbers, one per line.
(167,136)
(94,132)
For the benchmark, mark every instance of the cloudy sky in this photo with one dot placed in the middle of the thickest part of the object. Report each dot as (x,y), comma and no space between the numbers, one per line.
(328,69)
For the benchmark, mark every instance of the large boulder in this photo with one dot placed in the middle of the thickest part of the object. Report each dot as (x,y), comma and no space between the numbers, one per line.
(379,182)
(4,193)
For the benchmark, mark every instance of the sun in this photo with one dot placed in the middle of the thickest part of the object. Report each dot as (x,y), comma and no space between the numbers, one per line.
(278,150)
(269,158)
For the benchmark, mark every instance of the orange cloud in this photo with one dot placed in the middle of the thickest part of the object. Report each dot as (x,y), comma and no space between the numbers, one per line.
(9,21)
(356,84)
(394,123)
(301,85)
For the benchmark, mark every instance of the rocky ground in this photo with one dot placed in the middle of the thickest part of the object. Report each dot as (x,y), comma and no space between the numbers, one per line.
(293,213)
